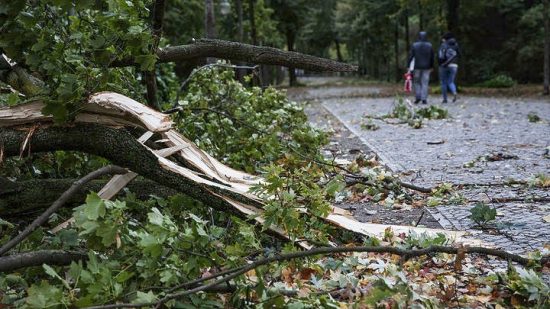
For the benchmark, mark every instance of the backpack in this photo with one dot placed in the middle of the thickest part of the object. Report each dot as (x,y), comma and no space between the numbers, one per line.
(442,54)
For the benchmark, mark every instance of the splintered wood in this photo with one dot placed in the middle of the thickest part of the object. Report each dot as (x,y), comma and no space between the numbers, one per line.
(115,110)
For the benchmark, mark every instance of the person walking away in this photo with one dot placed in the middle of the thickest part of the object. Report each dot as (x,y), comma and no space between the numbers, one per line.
(448,55)
(423,56)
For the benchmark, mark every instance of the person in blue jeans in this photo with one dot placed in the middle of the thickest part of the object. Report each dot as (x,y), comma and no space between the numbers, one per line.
(421,61)
(448,55)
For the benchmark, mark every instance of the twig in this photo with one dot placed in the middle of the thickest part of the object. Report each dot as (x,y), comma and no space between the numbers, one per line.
(235,272)
(420,219)
(36,258)
(414,187)
(107,170)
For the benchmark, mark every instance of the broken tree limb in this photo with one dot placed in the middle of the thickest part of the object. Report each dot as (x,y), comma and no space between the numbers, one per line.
(106,170)
(13,262)
(244,52)
(209,180)
(35,195)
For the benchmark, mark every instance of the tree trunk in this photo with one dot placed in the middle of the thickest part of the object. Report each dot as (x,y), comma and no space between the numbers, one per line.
(290,45)
(240,33)
(252,18)
(119,147)
(396,51)
(209,23)
(407,33)
(546,16)
(452,16)
(338,50)
(209,19)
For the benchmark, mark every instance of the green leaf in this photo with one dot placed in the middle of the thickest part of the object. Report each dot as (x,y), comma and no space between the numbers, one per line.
(69,238)
(50,271)
(13,99)
(44,295)
(155,217)
(95,207)
(148,297)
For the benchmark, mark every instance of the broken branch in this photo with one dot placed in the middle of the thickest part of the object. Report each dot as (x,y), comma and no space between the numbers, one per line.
(244,52)
(107,170)
(36,258)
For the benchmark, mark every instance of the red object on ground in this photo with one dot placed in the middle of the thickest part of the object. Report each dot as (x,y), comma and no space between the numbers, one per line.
(408,82)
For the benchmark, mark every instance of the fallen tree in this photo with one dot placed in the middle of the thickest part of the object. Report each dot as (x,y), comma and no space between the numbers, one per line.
(99,129)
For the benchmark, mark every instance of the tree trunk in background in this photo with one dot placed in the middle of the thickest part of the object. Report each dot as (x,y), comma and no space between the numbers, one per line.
(240,33)
(396,51)
(290,36)
(338,51)
(252,17)
(452,16)
(209,23)
(254,37)
(546,47)
(209,19)
(420,16)
(407,33)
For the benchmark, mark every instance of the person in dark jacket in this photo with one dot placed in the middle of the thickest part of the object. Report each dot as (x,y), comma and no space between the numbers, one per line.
(421,62)
(447,57)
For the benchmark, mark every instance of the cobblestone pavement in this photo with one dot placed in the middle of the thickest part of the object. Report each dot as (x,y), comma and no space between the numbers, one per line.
(459,146)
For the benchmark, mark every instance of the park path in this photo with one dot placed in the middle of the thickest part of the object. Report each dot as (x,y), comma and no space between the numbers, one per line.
(485,143)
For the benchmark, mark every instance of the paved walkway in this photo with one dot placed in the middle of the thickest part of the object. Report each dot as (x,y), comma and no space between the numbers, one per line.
(480,128)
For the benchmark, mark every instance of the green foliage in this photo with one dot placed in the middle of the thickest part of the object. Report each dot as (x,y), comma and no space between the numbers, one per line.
(289,191)
(424,240)
(370,125)
(529,285)
(499,81)
(533,117)
(541,180)
(245,128)
(130,250)
(481,214)
(433,112)
(72,44)
(413,117)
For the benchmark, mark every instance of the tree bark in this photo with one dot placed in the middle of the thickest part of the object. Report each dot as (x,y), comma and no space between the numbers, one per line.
(36,258)
(106,170)
(546,16)
(30,196)
(121,148)
(245,52)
